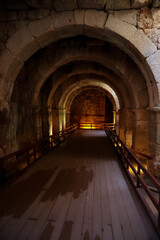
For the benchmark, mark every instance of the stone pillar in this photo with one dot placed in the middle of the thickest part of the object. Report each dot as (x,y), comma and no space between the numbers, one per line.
(140,130)
(55,120)
(128,127)
(68,114)
(122,125)
(154,141)
(116,114)
(62,119)
(8,128)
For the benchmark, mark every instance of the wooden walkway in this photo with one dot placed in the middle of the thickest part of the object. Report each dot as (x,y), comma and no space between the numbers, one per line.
(76,192)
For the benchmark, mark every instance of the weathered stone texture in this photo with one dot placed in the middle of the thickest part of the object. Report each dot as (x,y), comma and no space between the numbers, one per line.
(65,5)
(22,44)
(95,18)
(63,19)
(154,62)
(128,16)
(118,26)
(140,3)
(117,4)
(156,3)
(143,44)
(33,14)
(39,3)
(43,31)
(97,4)
(149,22)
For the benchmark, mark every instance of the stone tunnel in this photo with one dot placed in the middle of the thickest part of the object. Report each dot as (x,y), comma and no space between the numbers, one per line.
(63,62)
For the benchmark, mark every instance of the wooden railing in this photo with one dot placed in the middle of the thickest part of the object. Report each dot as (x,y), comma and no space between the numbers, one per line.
(140,177)
(96,125)
(19,160)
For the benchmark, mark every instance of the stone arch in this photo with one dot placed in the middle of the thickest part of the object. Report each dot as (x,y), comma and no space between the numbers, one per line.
(71,93)
(38,34)
(68,94)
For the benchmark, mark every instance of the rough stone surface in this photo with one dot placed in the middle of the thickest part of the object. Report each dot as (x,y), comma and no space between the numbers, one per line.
(140,3)
(154,62)
(22,44)
(118,26)
(64,24)
(154,35)
(43,31)
(97,4)
(143,43)
(156,3)
(63,19)
(39,3)
(128,16)
(33,14)
(117,5)
(149,22)
(9,63)
(95,18)
(65,5)
(79,16)
(94,23)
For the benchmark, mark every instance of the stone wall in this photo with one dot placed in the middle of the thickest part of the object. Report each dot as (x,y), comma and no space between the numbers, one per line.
(88,107)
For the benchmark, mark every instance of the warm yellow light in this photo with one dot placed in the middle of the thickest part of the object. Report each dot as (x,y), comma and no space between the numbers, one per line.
(119,144)
(115,144)
(136,168)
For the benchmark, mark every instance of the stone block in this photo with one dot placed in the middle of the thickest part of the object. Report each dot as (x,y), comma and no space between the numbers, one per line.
(9,63)
(118,26)
(43,30)
(96,4)
(142,43)
(128,16)
(94,18)
(33,14)
(63,19)
(39,3)
(117,4)
(141,114)
(156,3)
(64,24)
(140,3)
(154,63)
(79,17)
(22,44)
(156,17)
(79,20)
(94,23)
(64,5)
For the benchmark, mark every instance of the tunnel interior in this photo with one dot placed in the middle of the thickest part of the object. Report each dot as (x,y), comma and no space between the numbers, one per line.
(80,79)
(91,106)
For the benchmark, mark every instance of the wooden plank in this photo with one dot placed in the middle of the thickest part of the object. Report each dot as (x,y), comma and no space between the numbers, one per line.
(24,233)
(106,215)
(140,226)
(61,217)
(116,226)
(87,227)
(97,220)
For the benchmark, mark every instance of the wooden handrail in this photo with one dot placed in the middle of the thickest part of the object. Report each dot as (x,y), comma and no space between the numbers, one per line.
(96,125)
(10,163)
(127,159)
